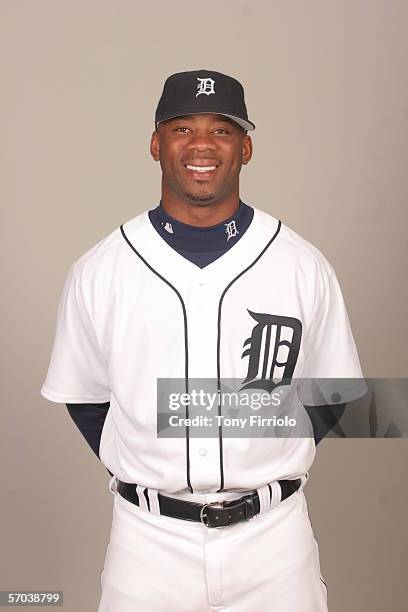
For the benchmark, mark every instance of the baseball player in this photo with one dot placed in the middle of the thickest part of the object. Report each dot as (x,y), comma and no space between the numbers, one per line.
(202,286)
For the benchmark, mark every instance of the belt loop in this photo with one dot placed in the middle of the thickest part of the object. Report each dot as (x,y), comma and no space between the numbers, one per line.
(142,500)
(304,480)
(264,499)
(275,493)
(154,501)
(113,485)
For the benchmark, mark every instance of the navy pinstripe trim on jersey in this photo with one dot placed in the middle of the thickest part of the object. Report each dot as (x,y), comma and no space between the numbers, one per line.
(219,345)
(185,346)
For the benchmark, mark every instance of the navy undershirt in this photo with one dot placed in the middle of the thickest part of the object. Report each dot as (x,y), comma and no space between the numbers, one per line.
(201,246)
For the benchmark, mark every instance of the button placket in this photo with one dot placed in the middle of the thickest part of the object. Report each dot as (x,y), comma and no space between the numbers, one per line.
(200,297)
(202,308)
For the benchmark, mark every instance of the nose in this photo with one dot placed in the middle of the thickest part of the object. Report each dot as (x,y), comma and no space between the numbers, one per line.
(202,141)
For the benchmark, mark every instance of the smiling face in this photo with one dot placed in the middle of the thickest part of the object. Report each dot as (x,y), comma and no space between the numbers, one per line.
(201,157)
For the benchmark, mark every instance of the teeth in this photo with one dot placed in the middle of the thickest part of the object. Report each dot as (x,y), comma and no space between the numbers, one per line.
(201,168)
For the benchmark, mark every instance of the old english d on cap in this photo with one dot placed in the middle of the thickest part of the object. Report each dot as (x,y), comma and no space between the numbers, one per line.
(203,91)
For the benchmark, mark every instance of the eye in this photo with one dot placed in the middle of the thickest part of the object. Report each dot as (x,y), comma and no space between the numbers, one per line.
(184,130)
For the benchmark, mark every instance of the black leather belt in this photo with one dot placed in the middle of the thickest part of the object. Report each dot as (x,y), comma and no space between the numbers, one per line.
(215,514)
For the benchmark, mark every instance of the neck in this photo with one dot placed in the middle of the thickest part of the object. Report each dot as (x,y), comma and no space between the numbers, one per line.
(200,214)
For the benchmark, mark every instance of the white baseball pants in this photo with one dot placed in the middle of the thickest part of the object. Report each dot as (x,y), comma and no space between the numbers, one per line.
(160,564)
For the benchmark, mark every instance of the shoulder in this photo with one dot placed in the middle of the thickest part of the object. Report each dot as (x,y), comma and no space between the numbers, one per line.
(105,254)
(293,247)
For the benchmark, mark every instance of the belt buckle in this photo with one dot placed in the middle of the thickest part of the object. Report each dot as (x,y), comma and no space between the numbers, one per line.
(203,515)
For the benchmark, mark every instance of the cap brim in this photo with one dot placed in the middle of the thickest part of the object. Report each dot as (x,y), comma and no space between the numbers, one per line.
(246,125)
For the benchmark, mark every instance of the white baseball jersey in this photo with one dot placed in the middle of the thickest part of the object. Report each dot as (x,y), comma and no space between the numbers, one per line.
(133,310)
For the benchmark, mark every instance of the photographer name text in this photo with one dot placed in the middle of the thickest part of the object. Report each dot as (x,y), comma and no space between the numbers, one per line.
(253,420)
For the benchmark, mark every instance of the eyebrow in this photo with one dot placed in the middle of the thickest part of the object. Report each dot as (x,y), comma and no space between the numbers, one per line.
(216,119)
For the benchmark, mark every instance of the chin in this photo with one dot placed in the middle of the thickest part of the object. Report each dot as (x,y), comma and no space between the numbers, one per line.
(201,199)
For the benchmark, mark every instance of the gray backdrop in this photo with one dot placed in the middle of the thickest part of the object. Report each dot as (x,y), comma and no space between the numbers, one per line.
(326,85)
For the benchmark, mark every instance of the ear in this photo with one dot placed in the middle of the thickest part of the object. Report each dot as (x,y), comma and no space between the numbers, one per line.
(155,146)
(246,149)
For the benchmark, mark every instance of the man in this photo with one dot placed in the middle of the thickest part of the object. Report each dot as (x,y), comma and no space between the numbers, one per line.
(202,286)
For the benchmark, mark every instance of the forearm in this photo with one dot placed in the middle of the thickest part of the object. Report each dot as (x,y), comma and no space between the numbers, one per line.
(324,419)
(90,419)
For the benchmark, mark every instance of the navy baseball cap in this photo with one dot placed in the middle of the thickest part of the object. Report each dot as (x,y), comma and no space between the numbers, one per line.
(203,91)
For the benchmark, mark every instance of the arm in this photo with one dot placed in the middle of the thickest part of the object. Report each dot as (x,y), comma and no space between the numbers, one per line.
(324,419)
(90,419)
(78,374)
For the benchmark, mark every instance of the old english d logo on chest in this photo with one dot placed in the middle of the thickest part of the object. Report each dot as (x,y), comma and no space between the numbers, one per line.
(265,349)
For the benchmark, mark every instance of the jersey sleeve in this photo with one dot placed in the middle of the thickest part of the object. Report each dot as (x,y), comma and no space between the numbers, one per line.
(77,372)
(332,372)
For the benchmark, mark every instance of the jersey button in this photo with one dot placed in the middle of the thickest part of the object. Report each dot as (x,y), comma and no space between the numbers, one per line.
(202,452)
